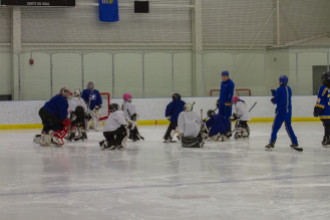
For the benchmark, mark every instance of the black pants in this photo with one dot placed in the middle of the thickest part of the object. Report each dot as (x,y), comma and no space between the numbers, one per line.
(115,137)
(170,128)
(192,142)
(49,121)
(326,126)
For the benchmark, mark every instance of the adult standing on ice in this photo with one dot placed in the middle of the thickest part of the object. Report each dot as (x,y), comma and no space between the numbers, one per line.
(282,100)
(93,101)
(225,99)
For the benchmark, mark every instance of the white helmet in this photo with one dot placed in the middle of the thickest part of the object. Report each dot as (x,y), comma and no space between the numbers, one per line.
(76,93)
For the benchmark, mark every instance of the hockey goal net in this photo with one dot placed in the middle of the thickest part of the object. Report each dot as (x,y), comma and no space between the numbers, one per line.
(104,111)
(238,92)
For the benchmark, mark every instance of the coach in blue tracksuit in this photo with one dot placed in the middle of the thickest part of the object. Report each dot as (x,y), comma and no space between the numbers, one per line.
(92,97)
(225,99)
(173,109)
(322,108)
(282,98)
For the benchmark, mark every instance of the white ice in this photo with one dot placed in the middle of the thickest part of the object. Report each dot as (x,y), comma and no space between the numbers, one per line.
(153,180)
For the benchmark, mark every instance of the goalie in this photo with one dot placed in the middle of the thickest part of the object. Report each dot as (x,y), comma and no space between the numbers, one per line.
(93,100)
(242,116)
(131,117)
(54,120)
(79,117)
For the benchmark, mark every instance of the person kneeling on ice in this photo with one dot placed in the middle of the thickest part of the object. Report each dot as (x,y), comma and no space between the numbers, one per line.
(173,109)
(93,101)
(115,130)
(282,98)
(131,117)
(78,117)
(217,126)
(242,116)
(54,120)
(189,124)
(322,108)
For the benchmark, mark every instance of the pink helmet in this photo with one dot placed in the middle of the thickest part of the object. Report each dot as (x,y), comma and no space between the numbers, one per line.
(235,99)
(127,96)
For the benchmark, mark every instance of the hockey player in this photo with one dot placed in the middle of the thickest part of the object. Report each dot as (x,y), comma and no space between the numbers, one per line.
(114,131)
(54,119)
(173,109)
(189,124)
(131,117)
(93,101)
(78,117)
(225,99)
(322,108)
(282,98)
(217,126)
(242,116)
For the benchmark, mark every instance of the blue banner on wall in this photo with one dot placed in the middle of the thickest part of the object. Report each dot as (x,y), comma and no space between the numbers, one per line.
(108,10)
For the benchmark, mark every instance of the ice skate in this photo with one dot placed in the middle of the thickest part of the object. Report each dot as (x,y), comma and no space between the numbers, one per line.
(296,147)
(270,146)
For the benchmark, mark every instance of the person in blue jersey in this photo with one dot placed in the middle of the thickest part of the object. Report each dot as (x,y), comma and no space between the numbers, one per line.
(225,99)
(282,100)
(54,119)
(217,126)
(93,101)
(173,109)
(322,108)
(108,10)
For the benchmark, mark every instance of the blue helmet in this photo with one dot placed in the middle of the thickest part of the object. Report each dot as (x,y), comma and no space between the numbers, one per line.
(225,73)
(283,80)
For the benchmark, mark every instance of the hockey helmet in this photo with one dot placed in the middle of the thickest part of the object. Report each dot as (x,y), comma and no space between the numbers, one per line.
(65,92)
(176,96)
(235,99)
(283,80)
(127,96)
(113,107)
(76,92)
(210,113)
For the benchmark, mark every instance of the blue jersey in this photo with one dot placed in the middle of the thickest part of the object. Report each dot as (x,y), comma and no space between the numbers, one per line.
(322,104)
(217,125)
(108,10)
(282,98)
(226,92)
(58,106)
(92,98)
(173,109)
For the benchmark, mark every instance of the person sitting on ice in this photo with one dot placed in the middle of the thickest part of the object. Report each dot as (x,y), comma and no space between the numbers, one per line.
(78,117)
(189,124)
(131,117)
(217,126)
(115,130)
(93,101)
(242,116)
(54,120)
(173,109)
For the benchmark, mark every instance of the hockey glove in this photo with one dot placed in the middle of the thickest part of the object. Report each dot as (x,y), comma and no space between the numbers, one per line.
(272,100)
(317,112)
(235,116)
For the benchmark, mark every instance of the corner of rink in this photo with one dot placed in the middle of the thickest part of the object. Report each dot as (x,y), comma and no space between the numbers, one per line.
(24,114)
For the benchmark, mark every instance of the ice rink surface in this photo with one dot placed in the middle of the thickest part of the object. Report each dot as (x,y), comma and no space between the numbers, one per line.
(153,180)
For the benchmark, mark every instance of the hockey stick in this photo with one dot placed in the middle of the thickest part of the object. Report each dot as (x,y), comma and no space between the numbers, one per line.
(252,106)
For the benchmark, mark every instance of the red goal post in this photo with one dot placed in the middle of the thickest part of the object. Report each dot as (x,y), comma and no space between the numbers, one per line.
(237,91)
(104,111)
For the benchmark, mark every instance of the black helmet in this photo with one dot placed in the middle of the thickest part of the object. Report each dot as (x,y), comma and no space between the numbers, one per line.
(324,77)
(210,113)
(176,96)
(113,107)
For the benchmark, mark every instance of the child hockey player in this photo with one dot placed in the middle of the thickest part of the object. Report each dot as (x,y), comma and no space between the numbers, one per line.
(54,120)
(225,99)
(322,108)
(114,131)
(242,116)
(131,117)
(282,98)
(217,126)
(173,109)
(189,124)
(93,101)
(78,117)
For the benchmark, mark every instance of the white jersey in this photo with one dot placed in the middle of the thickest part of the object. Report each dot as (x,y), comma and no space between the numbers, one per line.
(114,121)
(189,124)
(242,111)
(129,109)
(77,101)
